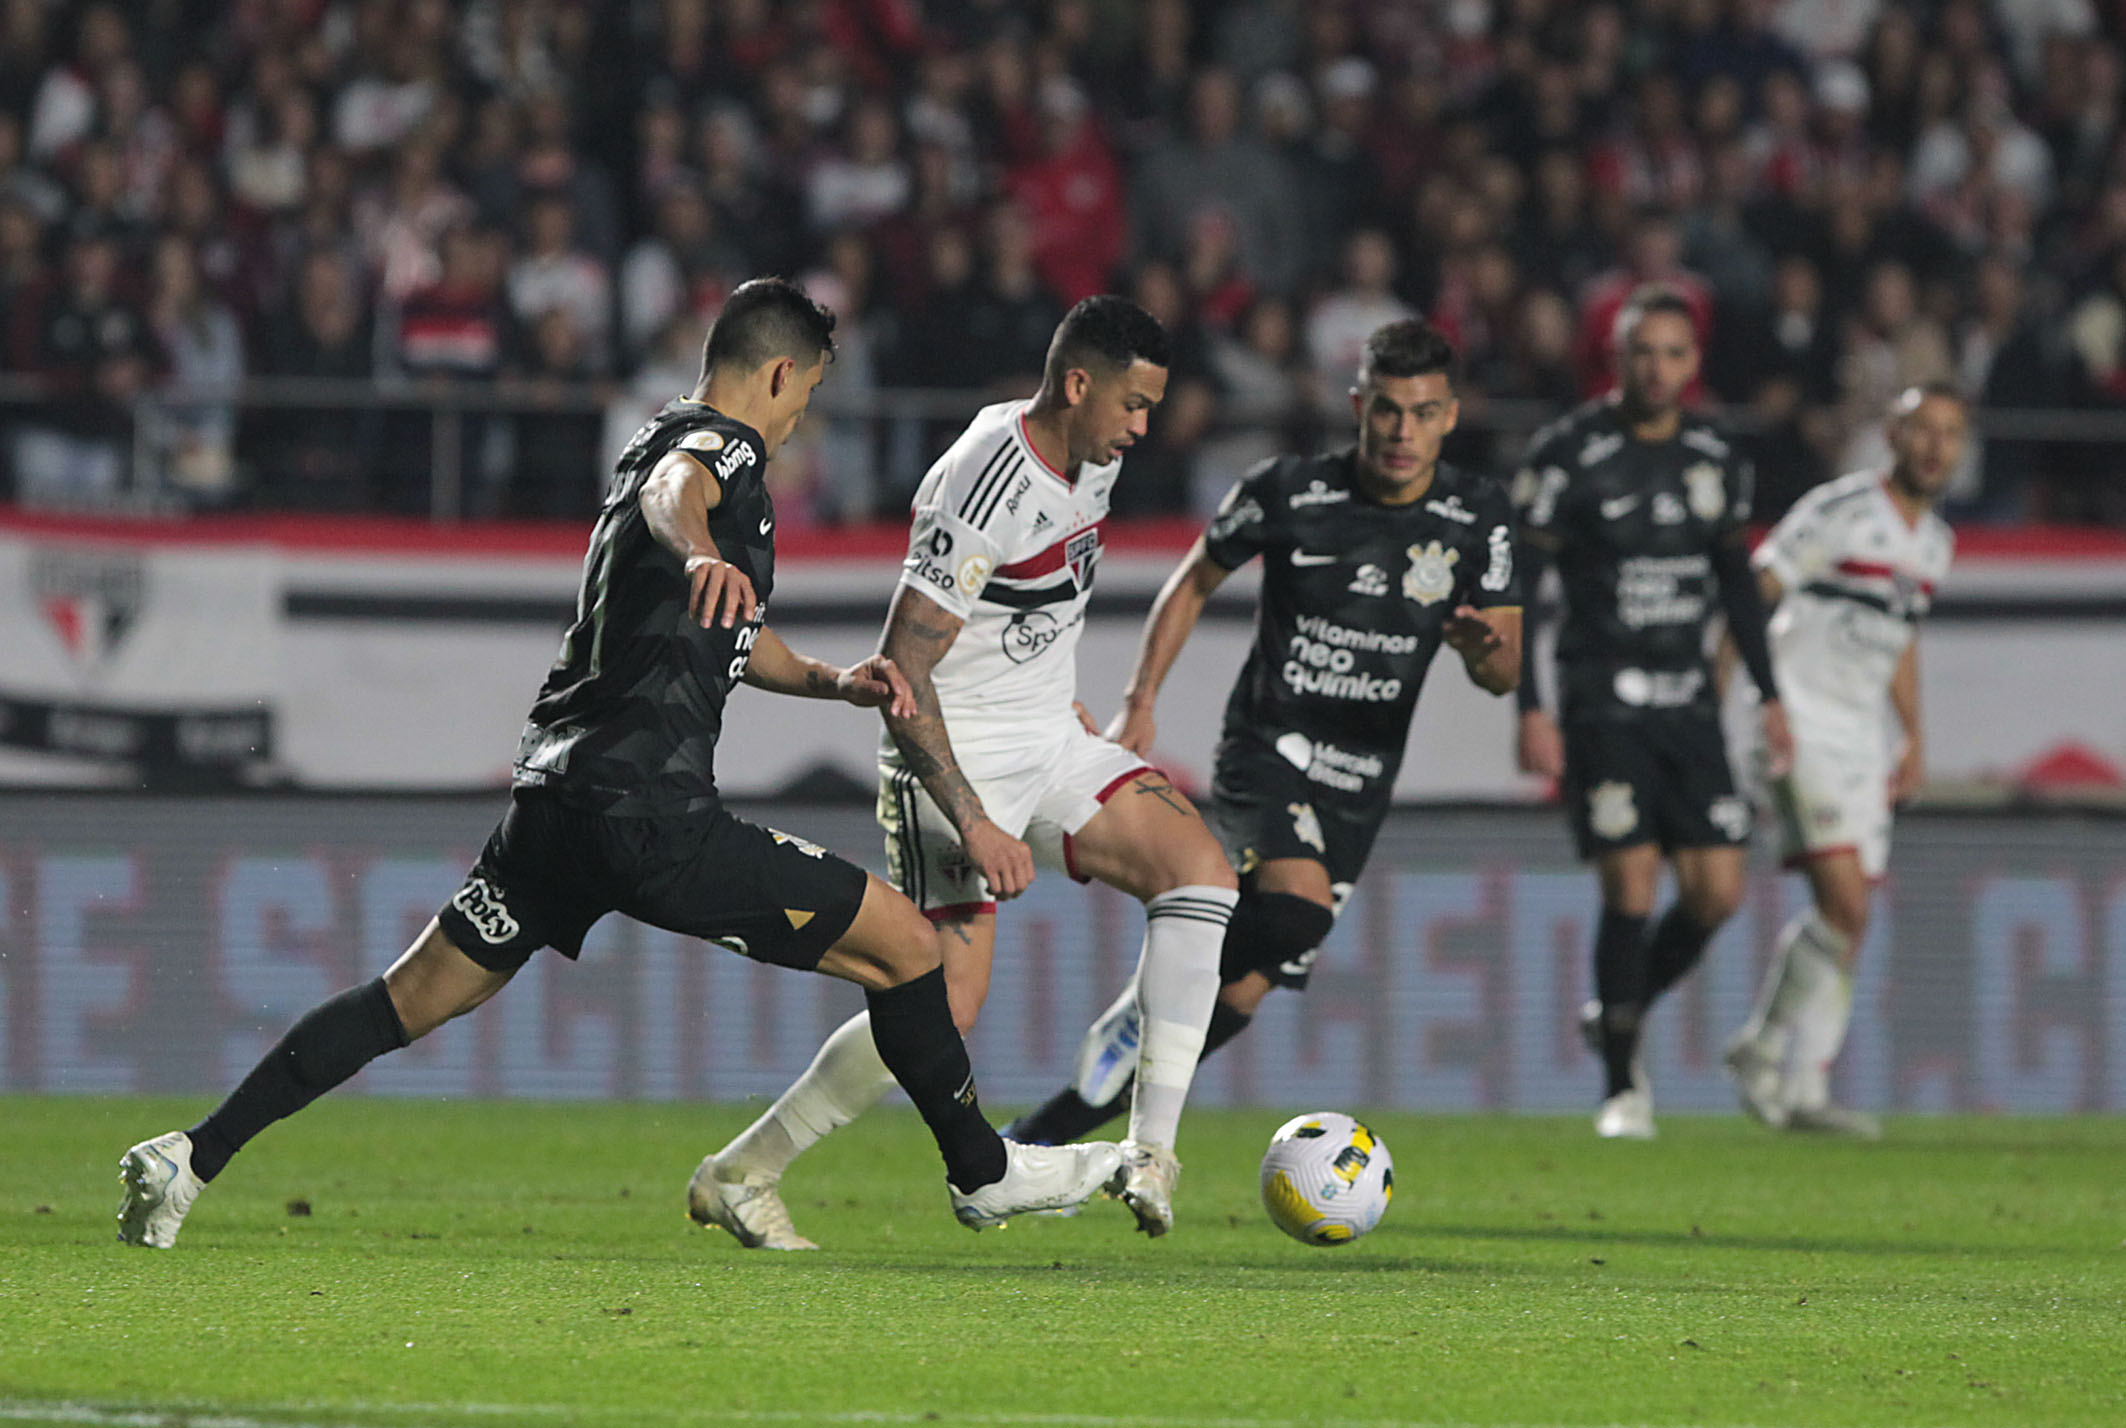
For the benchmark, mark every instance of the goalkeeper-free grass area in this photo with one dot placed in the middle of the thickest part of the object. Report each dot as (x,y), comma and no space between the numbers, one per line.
(400,1263)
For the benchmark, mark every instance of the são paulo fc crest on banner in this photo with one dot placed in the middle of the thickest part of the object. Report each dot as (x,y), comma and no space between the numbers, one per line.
(1430,578)
(1706,491)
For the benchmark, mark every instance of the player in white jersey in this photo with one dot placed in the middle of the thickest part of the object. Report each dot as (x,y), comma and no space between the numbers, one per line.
(1852,569)
(985,626)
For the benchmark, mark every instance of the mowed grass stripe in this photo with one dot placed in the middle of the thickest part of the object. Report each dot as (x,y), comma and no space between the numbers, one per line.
(403,1262)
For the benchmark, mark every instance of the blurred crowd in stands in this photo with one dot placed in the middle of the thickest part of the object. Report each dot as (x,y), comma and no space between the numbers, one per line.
(553,196)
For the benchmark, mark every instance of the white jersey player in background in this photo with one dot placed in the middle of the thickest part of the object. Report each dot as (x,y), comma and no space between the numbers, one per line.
(1851,569)
(985,626)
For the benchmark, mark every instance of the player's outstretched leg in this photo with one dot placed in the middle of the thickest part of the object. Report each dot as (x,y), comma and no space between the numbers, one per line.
(891,951)
(1622,977)
(428,986)
(1271,932)
(1756,1054)
(1803,1008)
(738,1188)
(1148,841)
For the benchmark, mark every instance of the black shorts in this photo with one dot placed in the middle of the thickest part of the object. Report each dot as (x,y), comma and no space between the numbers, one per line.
(1651,776)
(550,870)
(1263,807)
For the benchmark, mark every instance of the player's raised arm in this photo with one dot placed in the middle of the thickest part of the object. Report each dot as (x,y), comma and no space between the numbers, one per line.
(1173,618)
(873,683)
(918,632)
(676,501)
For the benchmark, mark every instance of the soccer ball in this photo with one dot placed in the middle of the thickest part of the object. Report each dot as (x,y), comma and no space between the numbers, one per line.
(1326,1179)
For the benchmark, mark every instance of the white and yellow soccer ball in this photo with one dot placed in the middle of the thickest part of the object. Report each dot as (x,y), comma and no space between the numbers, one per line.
(1326,1179)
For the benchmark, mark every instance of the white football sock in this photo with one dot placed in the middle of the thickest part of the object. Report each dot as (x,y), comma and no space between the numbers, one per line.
(1804,946)
(844,1080)
(1819,1032)
(1177,980)
(1107,1058)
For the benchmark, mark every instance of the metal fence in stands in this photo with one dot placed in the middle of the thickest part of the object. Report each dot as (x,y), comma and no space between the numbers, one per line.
(2086,445)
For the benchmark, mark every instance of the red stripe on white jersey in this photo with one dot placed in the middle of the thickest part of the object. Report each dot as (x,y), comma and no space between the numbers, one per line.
(1876,570)
(1049,561)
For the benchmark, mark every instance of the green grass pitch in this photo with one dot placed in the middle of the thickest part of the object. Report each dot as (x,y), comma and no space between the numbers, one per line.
(399,1263)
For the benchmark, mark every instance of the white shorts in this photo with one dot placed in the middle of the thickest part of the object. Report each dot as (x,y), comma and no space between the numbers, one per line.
(1837,800)
(1043,789)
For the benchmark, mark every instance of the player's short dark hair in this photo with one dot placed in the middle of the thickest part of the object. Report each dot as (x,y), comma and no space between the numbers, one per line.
(764,321)
(1105,334)
(1648,299)
(1409,348)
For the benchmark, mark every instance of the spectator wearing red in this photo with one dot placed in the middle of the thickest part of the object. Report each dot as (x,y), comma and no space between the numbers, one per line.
(1072,197)
(1654,255)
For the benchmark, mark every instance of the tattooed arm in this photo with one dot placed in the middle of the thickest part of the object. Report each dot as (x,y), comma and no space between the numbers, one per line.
(918,633)
(777,668)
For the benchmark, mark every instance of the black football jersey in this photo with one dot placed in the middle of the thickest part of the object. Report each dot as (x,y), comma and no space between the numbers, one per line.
(628,718)
(1632,526)
(1354,594)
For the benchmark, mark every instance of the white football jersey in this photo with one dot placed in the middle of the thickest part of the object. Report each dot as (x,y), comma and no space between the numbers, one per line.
(1009,545)
(1858,578)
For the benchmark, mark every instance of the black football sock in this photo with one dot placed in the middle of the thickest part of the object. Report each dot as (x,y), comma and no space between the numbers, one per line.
(332,1041)
(1620,983)
(1066,1116)
(911,1025)
(1678,941)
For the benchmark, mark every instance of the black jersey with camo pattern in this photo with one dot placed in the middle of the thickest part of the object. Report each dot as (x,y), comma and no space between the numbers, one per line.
(628,718)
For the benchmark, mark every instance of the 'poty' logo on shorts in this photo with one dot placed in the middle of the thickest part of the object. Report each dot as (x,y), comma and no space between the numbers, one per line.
(482,906)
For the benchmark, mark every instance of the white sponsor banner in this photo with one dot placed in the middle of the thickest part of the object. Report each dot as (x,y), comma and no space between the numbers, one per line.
(387,667)
(138,653)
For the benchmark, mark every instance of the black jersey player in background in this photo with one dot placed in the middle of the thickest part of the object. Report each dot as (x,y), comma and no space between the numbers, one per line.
(1642,506)
(615,808)
(1373,557)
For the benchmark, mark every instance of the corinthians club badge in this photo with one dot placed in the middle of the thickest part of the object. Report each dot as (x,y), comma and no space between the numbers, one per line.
(1430,578)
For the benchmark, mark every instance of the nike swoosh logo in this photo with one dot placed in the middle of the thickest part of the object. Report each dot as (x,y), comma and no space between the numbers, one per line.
(1300,557)
(1621,505)
(766,526)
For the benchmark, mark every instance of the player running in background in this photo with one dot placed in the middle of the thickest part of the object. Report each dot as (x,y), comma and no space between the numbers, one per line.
(614,804)
(998,762)
(1373,557)
(1850,572)
(1641,506)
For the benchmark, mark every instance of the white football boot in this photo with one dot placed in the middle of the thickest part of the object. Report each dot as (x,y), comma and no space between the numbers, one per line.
(159,1188)
(1831,1119)
(1628,1115)
(1146,1185)
(1038,1177)
(1756,1076)
(751,1210)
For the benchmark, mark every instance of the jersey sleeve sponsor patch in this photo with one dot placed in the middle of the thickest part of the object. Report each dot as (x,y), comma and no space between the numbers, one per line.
(948,560)
(1240,529)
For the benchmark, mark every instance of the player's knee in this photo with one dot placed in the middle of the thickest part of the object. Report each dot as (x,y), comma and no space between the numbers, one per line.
(1269,931)
(1712,903)
(1245,994)
(892,943)
(1847,916)
(1195,861)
